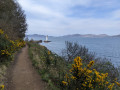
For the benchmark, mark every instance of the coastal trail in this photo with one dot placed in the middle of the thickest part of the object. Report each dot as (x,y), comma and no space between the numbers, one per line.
(22,75)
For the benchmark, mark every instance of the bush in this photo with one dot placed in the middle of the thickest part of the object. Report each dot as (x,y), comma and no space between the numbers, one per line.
(102,65)
(8,47)
(83,78)
(73,50)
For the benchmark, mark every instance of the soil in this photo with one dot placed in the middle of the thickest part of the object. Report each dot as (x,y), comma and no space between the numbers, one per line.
(22,75)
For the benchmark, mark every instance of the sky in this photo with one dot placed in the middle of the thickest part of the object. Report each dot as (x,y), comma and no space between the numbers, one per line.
(63,17)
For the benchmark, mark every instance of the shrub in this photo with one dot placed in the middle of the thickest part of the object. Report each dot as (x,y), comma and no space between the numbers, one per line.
(84,78)
(103,65)
(8,47)
(73,49)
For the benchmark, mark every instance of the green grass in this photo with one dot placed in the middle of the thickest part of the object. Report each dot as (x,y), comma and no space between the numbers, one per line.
(50,67)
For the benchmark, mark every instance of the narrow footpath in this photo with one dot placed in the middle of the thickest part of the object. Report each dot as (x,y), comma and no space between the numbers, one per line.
(23,76)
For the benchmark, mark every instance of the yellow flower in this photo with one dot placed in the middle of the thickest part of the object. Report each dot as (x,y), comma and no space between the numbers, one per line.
(73,77)
(5,52)
(48,52)
(90,85)
(106,82)
(89,71)
(90,64)
(2,86)
(117,83)
(97,80)
(111,86)
(78,61)
(84,85)
(1,31)
(70,70)
(65,83)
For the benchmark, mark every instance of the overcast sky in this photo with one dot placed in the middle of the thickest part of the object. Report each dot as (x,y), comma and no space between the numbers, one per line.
(62,17)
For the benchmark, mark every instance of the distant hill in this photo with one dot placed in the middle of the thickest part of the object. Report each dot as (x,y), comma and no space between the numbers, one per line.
(35,35)
(116,35)
(75,35)
(86,35)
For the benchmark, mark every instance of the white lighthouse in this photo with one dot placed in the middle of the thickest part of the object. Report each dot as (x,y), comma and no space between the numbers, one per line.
(47,38)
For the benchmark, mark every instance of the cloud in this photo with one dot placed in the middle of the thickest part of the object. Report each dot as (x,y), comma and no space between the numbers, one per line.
(60,17)
(39,9)
(116,14)
(70,26)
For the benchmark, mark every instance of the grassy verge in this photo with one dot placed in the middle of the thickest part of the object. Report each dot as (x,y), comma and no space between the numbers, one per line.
(4,67)
(50,66)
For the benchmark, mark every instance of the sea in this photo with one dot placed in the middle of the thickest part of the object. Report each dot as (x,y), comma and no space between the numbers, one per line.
(104,47)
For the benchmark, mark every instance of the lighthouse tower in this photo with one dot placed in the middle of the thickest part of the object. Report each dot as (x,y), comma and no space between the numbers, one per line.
(46,41)
(47,38)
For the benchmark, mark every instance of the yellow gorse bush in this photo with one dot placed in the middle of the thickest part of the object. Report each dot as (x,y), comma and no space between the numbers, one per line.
(82,78)
(14,47)
(5,52)
(8,47)
(2,87)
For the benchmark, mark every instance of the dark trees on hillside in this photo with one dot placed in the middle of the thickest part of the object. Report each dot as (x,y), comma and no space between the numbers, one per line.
(12,19)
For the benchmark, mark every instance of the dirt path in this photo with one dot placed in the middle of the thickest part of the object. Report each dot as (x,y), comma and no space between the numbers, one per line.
(23,76)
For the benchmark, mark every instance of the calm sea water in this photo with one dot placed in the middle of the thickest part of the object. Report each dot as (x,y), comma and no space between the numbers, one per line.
(108,47)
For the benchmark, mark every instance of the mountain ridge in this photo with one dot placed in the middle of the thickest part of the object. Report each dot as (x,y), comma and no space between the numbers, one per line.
(75,35)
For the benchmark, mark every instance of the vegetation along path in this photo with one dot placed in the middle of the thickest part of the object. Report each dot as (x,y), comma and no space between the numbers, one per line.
(23,76)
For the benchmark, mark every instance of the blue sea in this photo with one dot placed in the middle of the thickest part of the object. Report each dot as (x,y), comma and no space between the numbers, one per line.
(107,47)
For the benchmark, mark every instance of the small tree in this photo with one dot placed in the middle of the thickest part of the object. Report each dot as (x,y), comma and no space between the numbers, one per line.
(73,50)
